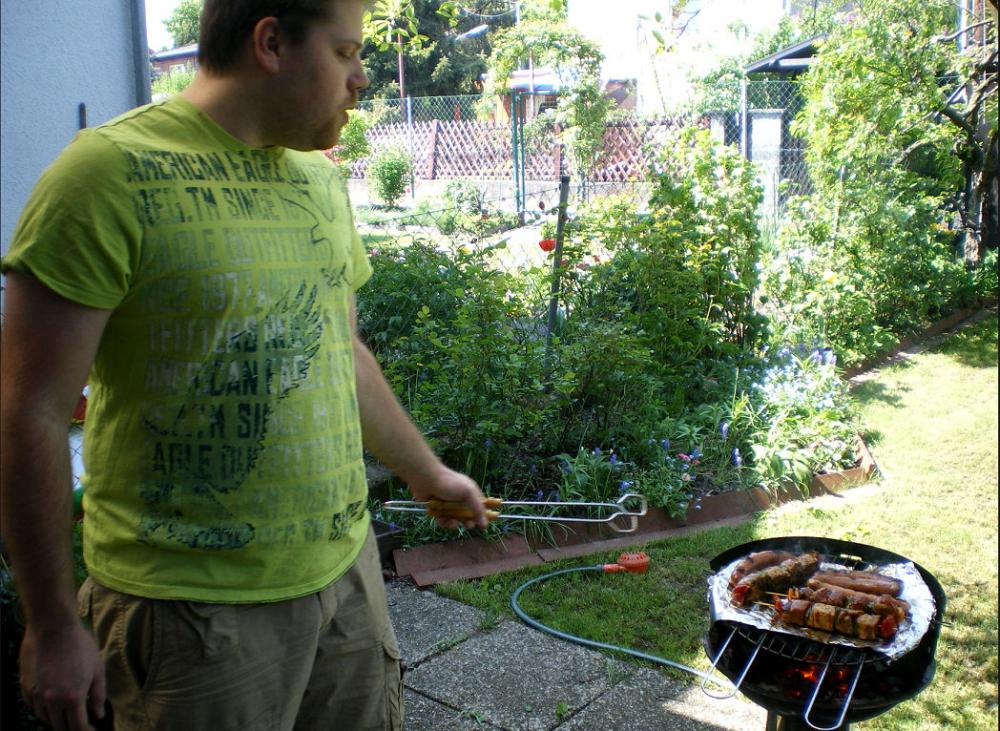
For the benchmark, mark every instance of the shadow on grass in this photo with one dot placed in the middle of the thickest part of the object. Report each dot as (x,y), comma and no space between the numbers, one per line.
(974,346)
(873,391)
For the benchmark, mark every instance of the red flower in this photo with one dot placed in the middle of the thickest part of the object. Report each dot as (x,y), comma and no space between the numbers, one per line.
(80,412)
(547,244)
(683,457)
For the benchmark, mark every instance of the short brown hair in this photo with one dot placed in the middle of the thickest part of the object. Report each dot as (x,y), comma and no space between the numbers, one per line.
(227,24)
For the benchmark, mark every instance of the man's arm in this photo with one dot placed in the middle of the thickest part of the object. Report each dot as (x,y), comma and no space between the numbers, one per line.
(390,435)
(47,347)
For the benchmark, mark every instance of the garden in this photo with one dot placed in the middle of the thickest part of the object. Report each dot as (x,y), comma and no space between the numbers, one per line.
(678,344)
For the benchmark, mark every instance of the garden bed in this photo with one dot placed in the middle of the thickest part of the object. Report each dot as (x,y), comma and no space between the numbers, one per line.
(472,558)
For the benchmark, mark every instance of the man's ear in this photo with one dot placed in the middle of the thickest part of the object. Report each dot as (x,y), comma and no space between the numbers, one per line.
(267,42)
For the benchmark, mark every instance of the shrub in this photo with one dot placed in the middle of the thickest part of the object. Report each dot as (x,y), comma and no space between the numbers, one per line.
(388,174)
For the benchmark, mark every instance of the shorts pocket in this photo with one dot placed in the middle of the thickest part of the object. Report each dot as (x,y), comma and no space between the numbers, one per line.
(203,633)
(393,685)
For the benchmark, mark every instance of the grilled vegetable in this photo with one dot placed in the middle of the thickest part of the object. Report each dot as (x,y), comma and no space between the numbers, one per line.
(849,622)
(791,572)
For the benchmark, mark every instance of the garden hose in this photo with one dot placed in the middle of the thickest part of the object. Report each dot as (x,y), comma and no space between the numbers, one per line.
(630,562)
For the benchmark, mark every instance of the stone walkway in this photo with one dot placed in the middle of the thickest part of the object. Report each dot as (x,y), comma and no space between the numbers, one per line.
(466,672)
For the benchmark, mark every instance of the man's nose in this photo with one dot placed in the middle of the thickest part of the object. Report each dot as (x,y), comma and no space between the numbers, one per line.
(359,79)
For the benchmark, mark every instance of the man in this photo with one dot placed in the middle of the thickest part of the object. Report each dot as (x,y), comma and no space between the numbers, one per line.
(194,262)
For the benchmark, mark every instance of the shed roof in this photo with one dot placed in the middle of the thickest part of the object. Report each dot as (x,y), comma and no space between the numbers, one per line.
(790,61)
(180,52)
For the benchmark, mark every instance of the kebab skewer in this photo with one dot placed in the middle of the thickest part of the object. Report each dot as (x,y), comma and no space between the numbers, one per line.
(849,622)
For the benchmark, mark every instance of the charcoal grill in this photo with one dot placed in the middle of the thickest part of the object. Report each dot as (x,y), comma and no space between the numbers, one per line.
(807,684)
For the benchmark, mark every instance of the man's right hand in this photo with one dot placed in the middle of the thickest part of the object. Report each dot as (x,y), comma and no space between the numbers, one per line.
(62,673)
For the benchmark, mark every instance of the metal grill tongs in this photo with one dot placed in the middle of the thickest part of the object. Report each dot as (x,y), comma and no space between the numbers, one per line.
(622,515)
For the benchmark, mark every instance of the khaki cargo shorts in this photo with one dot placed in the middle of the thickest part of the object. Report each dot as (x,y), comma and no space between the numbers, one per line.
(328,660)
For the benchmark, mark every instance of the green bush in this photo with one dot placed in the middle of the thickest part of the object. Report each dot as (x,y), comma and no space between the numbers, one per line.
(388,174)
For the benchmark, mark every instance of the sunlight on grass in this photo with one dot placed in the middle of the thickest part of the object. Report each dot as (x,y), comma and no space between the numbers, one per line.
(932,426)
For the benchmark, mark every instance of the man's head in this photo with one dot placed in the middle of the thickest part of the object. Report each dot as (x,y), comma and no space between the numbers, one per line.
(228,25)
(293,66)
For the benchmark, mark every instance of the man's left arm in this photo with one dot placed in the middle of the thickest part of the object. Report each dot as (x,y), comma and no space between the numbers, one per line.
(390,434)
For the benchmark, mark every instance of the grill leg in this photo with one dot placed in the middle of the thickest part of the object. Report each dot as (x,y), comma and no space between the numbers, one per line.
(776,722)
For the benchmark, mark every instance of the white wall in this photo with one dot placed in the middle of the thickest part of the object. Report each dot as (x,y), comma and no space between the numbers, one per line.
(55,55)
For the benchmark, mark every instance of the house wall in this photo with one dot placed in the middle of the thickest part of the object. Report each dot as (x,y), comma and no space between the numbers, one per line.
(57,54)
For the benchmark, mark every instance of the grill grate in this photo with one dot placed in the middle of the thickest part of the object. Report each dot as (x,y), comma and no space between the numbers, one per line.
(803,650)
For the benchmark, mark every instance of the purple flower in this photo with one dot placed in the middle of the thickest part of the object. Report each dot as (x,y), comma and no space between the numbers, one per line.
(539,495)
(488,442)
(597,451)
(613,458)
(696,454)
(724,429)
(665,443)
(737,459)
(624,486)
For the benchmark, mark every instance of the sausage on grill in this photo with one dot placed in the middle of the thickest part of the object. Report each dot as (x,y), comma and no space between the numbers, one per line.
(823,593)
(792,572)
(867,582)
(756,562)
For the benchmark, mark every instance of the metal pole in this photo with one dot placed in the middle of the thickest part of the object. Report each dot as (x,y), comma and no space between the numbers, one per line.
(556,266)
(409,128)
(514,150)
(744,121)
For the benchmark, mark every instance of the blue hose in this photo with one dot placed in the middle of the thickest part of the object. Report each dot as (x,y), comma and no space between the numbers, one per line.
(583,641)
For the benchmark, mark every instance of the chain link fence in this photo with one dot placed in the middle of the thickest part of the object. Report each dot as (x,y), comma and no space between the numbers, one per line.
(512,148)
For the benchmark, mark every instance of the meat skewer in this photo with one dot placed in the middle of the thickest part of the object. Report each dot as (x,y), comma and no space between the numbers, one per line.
(849,622)
(823,593)
(755,562)
(867,582)
(788,573)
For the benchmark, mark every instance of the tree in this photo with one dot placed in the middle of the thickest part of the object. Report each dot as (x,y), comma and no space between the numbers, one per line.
(435,65)
(183,22)
(543,38)
(895,98)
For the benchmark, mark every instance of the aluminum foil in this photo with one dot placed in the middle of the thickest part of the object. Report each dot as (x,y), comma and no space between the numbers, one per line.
(908,636)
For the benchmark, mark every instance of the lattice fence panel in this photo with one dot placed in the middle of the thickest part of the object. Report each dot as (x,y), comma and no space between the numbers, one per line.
(626,152)
(471,149)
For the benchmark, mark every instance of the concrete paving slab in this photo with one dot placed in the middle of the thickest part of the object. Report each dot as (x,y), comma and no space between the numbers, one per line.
(517,678)
(424,714)
(650,701)
(426,623)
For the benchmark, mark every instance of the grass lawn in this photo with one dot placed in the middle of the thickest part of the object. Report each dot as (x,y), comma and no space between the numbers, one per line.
(931,421)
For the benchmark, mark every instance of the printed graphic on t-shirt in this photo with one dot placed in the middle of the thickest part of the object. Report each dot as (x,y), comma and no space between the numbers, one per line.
(243,299)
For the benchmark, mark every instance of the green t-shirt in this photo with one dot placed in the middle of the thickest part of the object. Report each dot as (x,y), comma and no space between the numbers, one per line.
(222,444)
